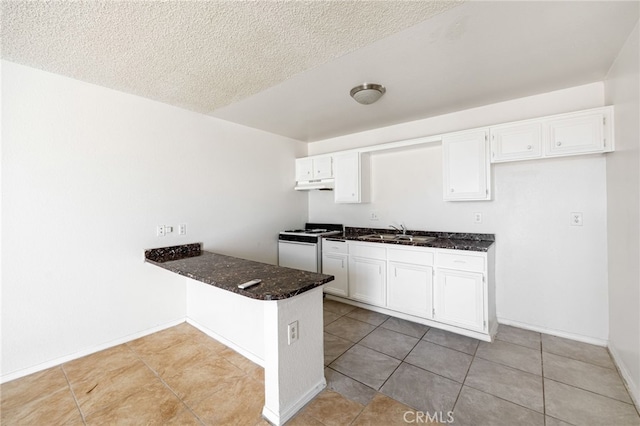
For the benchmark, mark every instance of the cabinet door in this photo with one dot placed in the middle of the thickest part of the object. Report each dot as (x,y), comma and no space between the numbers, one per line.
(322,168)
(516,142)
(410,289)
(336,265)
(459,299)
(574,135)
(367,280)
(304,169)
(466,166)
(351,172)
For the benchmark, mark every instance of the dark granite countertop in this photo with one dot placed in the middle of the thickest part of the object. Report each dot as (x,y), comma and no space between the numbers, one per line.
(226,272)
(443,240)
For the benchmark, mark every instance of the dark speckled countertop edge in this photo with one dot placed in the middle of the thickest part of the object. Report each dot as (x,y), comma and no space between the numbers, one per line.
(226,272)
(443,240)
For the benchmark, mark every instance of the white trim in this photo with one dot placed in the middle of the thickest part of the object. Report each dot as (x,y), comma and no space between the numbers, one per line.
(287,414)
(251,356)
(553,332)
(79,354)
(632,387)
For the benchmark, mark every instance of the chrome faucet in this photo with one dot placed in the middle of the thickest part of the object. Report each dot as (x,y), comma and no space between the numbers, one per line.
(403,230)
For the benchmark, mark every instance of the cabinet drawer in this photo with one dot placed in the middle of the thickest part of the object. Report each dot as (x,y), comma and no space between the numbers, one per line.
(463,262)
(372,251)
(416,257)
(334,246)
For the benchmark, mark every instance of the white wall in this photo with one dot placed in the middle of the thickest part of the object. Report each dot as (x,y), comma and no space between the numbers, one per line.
(87,174)
(623,190)
(550,276)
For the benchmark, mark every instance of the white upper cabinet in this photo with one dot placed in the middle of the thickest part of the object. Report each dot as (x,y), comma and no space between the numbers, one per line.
(304,169)
(520,141)
(582,133)
(352,178)
(323,167)
(311,168)
(466,166)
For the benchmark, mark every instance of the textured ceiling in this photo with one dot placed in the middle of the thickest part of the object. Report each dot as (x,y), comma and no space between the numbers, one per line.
(287,66)
(478,53)
(196,55)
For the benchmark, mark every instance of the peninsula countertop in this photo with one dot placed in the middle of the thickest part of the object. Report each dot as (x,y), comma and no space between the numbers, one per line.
(226,272)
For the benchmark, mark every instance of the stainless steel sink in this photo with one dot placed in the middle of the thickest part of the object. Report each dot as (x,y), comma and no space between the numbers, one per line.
(398,237)
(383,237)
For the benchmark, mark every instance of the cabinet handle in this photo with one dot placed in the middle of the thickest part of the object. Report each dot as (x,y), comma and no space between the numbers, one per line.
(452,190)
(395,271)
(379,270)
(558,143)
(342,263)
(493,154)
(529,147)
(459,261)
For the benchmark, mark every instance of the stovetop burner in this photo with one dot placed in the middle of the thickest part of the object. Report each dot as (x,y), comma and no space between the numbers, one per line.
(315,228)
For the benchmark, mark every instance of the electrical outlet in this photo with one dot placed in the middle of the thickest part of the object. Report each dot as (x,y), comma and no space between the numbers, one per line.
(292,332)
(576,218)
(373,216)
(168,229)
(477,217)
(182,229)
(161,231)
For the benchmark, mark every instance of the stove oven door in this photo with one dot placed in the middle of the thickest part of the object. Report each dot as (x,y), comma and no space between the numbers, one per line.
(298,255)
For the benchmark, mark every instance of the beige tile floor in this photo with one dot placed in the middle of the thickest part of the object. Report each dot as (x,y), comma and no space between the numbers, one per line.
(380,371)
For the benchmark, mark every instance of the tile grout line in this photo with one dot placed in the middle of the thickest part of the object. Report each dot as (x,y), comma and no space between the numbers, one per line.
(590,391)
(581,360)
(402,361)
(166,385)
(73,394)
(473,358)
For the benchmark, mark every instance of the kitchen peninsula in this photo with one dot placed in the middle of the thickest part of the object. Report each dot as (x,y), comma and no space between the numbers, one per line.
(277,323)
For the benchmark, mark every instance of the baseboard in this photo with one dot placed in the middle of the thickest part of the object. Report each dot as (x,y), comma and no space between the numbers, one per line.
(553,332)
(79,354)
(285,416)
(632,386)
(251,356)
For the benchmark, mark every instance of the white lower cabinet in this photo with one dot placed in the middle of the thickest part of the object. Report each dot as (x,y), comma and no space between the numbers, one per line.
(409,289)
(367,280)
(450,289)
(459,299)
(336,264)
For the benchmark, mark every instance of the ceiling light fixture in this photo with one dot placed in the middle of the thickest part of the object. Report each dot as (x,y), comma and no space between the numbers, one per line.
(367,93)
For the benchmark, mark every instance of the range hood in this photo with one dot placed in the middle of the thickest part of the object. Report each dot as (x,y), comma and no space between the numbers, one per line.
(319,184)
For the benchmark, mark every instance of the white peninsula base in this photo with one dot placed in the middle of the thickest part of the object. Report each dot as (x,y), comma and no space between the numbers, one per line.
(258,330)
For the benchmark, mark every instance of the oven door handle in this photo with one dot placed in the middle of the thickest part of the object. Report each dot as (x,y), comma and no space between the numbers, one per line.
(297,242)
